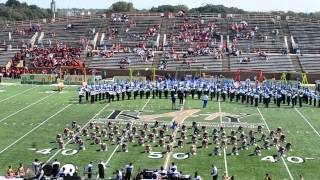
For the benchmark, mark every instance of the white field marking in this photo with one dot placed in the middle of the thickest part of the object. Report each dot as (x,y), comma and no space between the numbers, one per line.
(168,157)
(5,85)
(55,154)
(284,162)
(25,108)
(143,107)
(17,94)
(305,119)
(224,149)
(117,147)
(110,114)
(35,128)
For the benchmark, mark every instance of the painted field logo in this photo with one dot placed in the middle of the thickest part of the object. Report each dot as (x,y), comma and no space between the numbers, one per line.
(235,118)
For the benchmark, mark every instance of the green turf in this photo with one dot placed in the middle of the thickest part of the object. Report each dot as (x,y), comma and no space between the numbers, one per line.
(22,128)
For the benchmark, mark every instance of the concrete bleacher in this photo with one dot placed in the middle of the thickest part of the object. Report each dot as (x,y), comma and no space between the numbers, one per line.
(114,62)
(72,37)
(202,63)
(273,43)
(266,24)
(310,63)
(275,63)
(306,34)
(142,23)
(6,56)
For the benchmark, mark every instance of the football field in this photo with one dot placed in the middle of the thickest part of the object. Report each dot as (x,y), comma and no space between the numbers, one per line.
(32,115)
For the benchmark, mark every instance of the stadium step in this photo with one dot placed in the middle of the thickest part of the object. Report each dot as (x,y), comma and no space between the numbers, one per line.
(296,63)
(156,60)
(286,32)
(226,64)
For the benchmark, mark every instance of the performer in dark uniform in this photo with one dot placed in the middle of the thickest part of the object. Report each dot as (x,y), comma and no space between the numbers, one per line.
(141,91)
(256,99)
(232,94)
(300,99)
(81,92)
(92,95)
(266,99)
(289,98)
(166,91)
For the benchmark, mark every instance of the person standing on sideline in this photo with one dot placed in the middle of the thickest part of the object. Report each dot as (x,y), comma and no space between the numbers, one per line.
(89,170)
(101,168)
(196,176)
(55,168)
(129,169)
(205,100)
(214,172)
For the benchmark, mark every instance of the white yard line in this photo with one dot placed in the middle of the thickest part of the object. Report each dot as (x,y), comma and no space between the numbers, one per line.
(143,107)
(305,119)
(25,108)
(55,154)
(35,128)
(117,147)
(224,150)
(168,157)
(17,94)
(284,162)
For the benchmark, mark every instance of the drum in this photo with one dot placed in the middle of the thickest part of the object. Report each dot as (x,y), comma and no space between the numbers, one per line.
(47,168)
(68,169)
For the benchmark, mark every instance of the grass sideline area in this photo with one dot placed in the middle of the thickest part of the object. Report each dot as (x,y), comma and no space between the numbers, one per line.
(32,115)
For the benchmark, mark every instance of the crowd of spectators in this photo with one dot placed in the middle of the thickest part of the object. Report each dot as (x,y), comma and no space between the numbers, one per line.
(49,57)
(197,31)
(28,31)
(119,17)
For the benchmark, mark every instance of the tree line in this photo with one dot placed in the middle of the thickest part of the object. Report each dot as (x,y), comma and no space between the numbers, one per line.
(15,10)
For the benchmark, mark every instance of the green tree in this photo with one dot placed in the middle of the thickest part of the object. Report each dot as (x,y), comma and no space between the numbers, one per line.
(12,3)
(169,8)
(122,6)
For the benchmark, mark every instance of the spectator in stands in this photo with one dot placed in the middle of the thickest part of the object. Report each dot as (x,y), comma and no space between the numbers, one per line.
(245,60)
(284,51)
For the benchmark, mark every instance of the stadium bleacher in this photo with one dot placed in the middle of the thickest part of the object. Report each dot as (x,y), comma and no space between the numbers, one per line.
(151,30)
(275,63)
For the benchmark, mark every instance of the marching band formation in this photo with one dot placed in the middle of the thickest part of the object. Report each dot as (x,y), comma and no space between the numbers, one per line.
(244,92)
